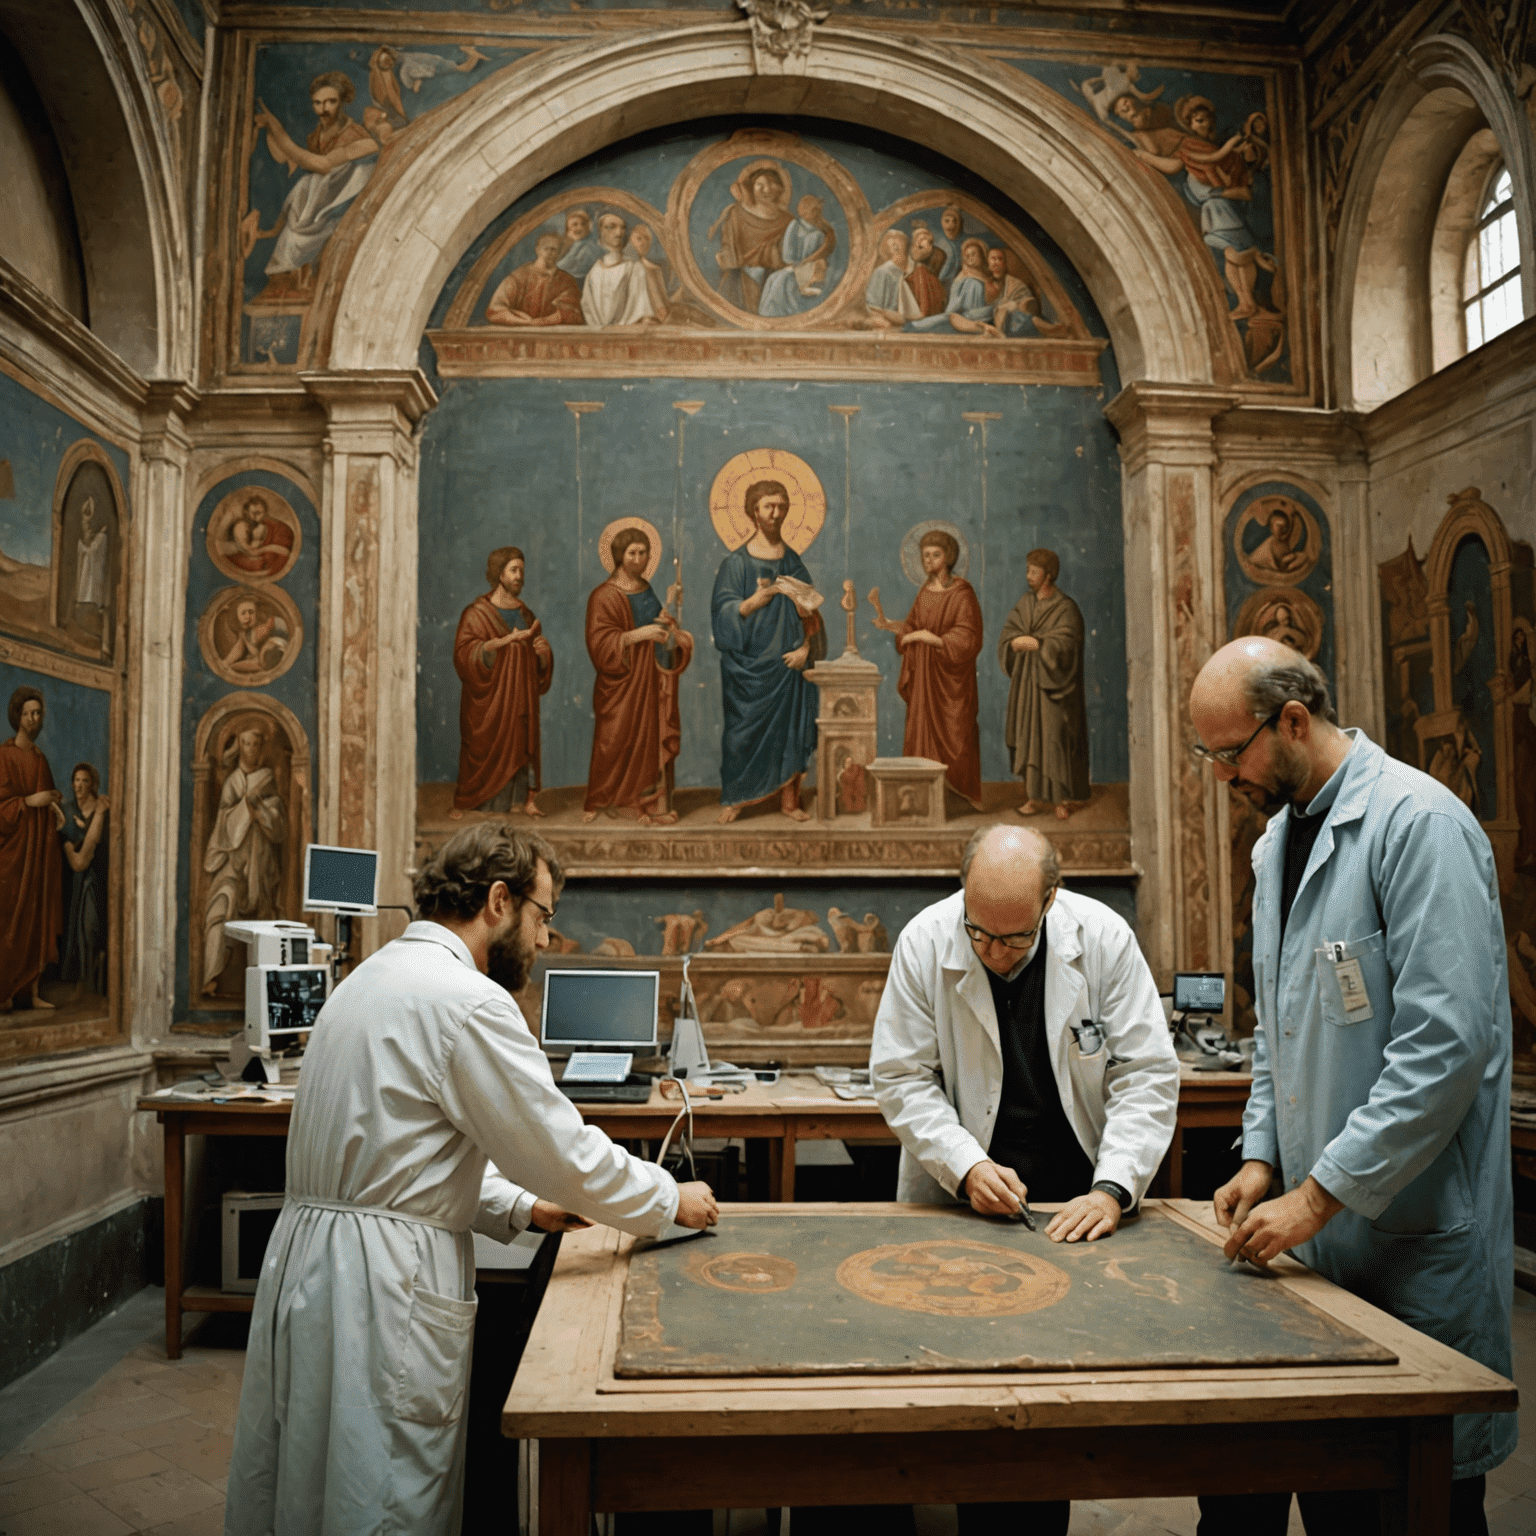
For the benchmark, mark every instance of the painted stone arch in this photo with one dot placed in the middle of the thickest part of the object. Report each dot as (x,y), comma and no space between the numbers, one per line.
(247,837)
(1135,247)
(89,540)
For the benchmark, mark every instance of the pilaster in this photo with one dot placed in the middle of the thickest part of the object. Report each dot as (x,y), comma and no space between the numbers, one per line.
(366,755)
(1168,459)
(157,585)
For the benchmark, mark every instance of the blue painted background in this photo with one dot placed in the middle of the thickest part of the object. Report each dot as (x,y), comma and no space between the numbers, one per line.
(498,467)
(77,724)
(202,688)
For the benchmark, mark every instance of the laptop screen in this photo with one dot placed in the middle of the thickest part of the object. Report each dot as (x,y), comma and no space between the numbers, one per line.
(605,1010)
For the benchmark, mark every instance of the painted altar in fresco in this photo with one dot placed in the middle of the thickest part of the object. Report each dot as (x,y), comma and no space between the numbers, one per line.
(1458,628)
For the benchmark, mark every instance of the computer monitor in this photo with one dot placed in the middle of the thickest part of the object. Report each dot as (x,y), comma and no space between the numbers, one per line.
(344,880)
(1199,992)
(600,1010)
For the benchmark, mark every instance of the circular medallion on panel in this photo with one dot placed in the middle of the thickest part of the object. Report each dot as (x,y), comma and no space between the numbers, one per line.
(953,1277)
(254,535)
(250,635)
(1285,614)
(746,1273)
(1278,541)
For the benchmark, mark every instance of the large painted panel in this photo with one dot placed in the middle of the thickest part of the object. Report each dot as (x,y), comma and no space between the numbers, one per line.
(248,727)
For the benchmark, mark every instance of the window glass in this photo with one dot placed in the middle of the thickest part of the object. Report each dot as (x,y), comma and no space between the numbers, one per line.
(1491,290)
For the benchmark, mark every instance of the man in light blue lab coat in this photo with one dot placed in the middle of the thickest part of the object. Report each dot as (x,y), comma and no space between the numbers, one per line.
(1376,1139)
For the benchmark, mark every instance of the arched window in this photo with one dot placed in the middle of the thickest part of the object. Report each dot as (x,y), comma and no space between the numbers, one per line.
(1490,284)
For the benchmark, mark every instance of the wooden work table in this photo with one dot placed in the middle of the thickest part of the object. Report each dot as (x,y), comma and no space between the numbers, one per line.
(613,1444)
(796,1108)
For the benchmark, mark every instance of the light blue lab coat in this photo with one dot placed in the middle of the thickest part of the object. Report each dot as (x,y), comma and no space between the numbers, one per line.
(1403,1116)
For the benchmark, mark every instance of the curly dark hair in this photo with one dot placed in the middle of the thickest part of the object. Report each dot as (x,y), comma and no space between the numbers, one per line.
(936,538)
(18,699)
(456,881)
(623,539)
(497,561)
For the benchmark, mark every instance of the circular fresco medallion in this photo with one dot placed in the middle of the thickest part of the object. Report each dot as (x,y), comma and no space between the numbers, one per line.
(254,535)
(728,497)
(1277,541)
(747,1273)
(618,525)
(250,635)
(912,551)
(1285,614)
(953,1277)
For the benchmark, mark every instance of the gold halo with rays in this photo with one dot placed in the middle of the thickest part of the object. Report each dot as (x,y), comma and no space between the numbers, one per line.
(728,497)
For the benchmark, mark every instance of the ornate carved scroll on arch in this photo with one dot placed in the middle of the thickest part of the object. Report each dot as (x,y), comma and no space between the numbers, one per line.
(250,821)
(782,34)
(85,598)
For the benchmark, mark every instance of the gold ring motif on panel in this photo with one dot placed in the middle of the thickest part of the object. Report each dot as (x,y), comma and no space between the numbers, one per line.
(1289,545)
(728,497)
(953,1277)
(618,525)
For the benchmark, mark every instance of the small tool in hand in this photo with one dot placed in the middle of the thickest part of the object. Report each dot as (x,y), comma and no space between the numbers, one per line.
(1023,1214)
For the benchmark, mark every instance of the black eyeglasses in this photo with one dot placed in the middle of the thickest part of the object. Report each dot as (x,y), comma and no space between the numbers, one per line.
(547,914)
(978,935)
(1228,756)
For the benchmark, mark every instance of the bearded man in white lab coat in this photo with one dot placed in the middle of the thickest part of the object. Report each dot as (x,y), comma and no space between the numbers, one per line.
(1021,1049)
(420,1070)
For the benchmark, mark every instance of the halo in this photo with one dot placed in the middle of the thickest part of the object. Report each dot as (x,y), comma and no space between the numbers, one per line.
(911,549)
(728,497)
(605,538)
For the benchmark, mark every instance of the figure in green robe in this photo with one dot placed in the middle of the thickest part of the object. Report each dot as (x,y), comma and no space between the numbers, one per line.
(1042,652)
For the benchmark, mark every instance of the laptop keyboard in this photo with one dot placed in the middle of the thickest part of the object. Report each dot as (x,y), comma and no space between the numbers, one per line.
(627,1092)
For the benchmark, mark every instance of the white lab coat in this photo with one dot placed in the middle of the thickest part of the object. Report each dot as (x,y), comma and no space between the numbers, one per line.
(937,1062)
(419,1068)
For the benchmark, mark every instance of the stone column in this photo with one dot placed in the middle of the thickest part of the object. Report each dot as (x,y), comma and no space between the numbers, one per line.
(366,757)
(156,587)
(1172,546)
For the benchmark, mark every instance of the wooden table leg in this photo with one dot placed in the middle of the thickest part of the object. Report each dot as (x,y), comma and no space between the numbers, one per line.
(565,1487)
(1176,1164)
(1421,1504)
(175,1146)
(775,1167)
(787,1164)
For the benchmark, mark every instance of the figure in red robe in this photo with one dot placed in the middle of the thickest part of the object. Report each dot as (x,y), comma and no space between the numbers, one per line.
(539,293)
(639,653)
(505,665)
(31,870)
(939,643)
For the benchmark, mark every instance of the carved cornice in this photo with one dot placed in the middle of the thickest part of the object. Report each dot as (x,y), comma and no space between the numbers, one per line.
(1167,423)
(372,396)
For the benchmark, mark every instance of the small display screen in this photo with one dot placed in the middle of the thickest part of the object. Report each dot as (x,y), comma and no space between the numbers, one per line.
(341,877)
(616,1009)
(294,998)
(1198,992)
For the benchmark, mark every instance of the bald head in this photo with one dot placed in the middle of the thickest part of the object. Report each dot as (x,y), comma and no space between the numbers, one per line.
(1268,704)
(1009,874)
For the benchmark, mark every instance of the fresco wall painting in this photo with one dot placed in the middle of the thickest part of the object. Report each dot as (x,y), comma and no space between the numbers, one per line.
(1279,584)
(62,526)
(248,720)
(1458,630)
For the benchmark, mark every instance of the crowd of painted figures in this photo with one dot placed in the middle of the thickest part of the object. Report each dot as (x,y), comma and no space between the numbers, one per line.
(768,630)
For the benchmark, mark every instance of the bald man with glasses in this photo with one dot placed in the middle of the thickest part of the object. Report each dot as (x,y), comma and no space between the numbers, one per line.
(1020,1050)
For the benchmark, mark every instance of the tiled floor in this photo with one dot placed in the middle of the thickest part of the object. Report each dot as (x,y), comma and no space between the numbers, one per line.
(146,1449)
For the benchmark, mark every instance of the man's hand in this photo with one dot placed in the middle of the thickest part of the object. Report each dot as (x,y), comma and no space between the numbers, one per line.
(548,1217)
(796,659)
(696,1205)
(920,637)
(1024,643)
(1090,1216)
(44,797)
(1242,1192)
(759,599)
(993,1190)
(1277,1225)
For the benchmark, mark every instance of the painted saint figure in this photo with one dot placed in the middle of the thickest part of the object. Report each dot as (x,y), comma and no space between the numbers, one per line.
(537,293)
(259,543)
(244,855)
(1041,650)
(887,295)
(31,872)
(939,643)
(580,248)
(92,550)
(84,840)
(505,666)
(639,654)
(807,246)
(751,231)
(616,291)
(1278,553)
(767,629)
(259,643)
(337,162)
